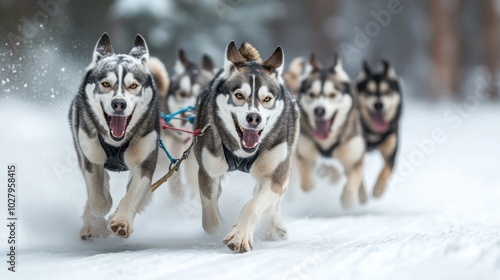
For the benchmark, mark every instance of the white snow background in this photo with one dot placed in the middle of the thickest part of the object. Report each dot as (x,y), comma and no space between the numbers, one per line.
(441,221)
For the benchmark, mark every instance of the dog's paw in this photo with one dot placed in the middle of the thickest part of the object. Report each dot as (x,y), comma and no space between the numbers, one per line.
(239,241)
(307,185)
(348,199)
(378,190)
(276,233)
(94,230)
(332,173)
(120,226)
(363,197)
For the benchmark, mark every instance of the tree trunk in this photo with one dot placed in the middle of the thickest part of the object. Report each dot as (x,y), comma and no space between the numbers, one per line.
(446,46)
(490,34)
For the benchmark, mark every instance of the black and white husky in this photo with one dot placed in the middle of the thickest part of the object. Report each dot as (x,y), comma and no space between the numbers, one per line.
(114,121)
(254,126)
(380,107)
(329,125)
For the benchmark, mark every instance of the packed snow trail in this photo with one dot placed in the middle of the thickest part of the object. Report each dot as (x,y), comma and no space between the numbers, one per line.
(438,220)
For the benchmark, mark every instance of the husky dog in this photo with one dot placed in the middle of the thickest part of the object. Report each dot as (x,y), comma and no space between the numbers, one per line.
(330,126)
(380,107)
(254,126)
(188,81)
(185,86)
(114,122)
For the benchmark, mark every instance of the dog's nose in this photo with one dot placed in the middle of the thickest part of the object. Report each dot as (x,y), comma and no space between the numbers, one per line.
(254,119)
(319,112)
(378,106)
(119,105)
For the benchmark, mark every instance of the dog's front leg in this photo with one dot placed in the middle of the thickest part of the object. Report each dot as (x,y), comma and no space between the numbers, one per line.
(98,203)
(388,149)
(240,238)
(351,156)
(141,159)
(138,192)
(209,194)
(99,199)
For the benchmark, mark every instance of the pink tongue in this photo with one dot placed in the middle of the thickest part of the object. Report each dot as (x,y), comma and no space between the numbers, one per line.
(379,122)
(117,125)
(322,130)
(250,138)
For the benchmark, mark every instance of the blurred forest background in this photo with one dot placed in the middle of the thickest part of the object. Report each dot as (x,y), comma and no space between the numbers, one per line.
(443,49)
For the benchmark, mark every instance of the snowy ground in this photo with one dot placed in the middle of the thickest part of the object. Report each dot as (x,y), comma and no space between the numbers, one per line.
(439,220)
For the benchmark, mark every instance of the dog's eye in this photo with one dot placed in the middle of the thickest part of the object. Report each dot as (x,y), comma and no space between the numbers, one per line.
(183,94)
(239,95)
(312,95)
(332,95)
(133,86)
(267,99)
(105,84)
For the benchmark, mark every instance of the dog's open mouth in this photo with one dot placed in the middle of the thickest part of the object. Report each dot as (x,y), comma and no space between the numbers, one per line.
(323,128)
(249,138)
(117,125)
(379,123)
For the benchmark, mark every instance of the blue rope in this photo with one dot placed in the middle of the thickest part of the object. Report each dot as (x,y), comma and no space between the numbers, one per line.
(169,117)
(172,160)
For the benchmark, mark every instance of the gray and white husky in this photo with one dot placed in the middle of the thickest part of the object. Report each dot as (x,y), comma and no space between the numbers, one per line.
(380,107)
(329,126)
(114,122)
(254,126)
(186,84)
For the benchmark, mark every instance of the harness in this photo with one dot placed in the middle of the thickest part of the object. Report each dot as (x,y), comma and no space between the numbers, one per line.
(238,163)
(326,153)
(114,161)
(374,144)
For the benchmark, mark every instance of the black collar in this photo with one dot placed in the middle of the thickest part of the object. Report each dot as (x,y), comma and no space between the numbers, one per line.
(238,163)
(114,161)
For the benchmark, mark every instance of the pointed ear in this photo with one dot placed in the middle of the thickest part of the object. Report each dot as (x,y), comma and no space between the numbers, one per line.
(366,68)
(140,49)
(207,63)
(103,48)
(181,62)
(275,61)
(313,60)
(182,57)
(338,68)
(232,57)
(337,63)
(388,70)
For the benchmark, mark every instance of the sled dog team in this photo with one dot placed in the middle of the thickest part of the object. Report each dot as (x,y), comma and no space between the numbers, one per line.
(261,121)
